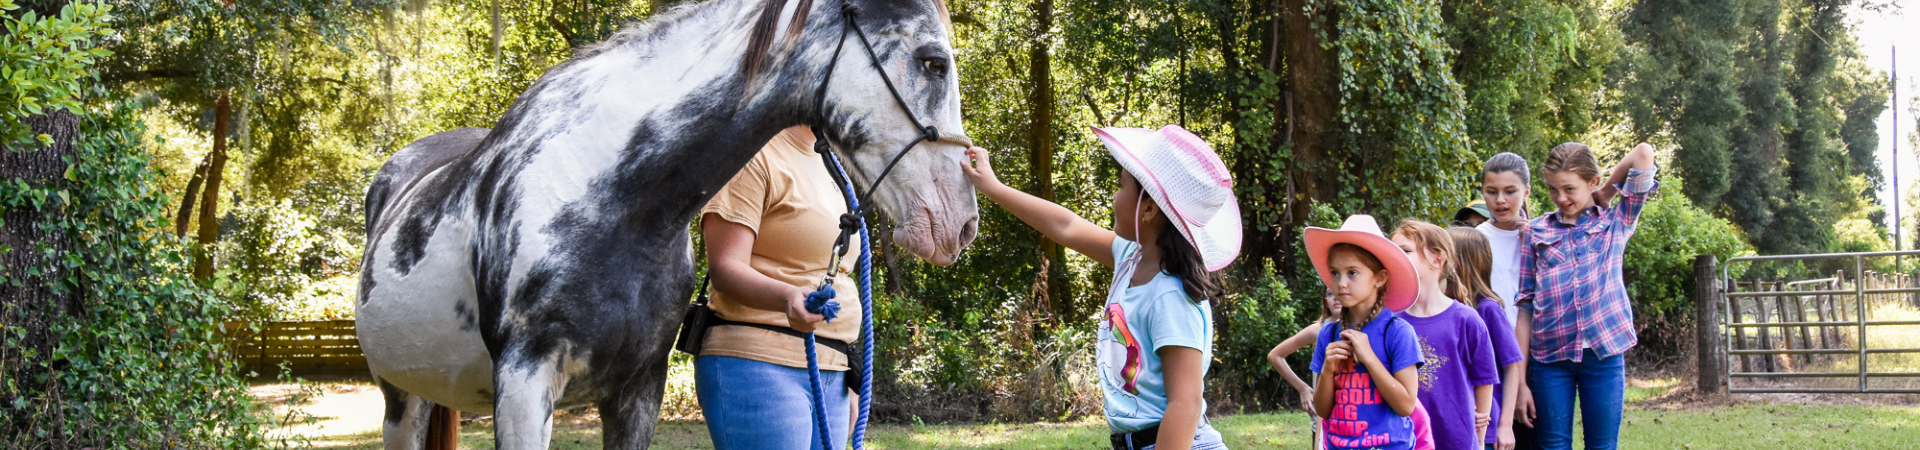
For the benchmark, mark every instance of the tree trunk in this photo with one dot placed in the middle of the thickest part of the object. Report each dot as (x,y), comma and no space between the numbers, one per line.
(210,205)
(495,11)
(1313,105)
(185,217)
(1040,111)
(30,299)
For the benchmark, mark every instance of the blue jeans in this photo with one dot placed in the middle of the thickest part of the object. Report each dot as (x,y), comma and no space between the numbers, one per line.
(1600,384)
(753,405)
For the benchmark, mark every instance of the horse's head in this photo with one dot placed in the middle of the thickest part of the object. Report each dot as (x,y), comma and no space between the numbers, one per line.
(925,193)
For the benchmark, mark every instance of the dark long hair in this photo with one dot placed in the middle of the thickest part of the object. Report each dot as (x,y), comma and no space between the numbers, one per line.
(1180,259)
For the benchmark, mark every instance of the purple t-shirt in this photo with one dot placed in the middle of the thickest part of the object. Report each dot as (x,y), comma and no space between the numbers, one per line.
(1459,356)
(1361,418)
(1505,351)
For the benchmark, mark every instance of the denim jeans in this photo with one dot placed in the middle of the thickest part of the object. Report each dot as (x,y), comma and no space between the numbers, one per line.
(753,405)
(1600,384)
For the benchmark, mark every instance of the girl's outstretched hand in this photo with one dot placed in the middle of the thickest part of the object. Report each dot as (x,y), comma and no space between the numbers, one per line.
(979,169)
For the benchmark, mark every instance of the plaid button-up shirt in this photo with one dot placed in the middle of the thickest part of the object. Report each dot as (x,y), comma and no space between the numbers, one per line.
(1570,277)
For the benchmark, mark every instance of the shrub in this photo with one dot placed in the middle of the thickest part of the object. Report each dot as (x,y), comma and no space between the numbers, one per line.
(1659,267)
(124,351)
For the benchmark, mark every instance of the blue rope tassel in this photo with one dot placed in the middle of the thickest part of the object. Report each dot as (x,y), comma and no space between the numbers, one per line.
(858,438)
(819,302)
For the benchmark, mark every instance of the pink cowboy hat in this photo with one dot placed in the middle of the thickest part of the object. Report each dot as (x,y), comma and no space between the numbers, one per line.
(1187,179)
(1360,230)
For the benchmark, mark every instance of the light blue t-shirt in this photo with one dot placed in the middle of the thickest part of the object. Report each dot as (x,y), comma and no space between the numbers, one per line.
(1135,324)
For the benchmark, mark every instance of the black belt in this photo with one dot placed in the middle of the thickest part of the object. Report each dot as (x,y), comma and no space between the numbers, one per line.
(842,346)
(1135,440)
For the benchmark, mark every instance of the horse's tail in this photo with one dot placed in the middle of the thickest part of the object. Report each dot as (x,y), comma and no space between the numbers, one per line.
(414,161)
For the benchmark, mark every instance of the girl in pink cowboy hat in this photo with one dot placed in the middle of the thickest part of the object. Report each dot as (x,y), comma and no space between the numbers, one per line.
(1156,333)
(1367,394)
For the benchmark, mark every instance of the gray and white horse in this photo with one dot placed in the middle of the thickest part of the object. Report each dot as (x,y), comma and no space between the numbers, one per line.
(545,263)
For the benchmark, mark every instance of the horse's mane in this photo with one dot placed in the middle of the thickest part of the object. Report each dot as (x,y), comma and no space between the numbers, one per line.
(757,46)
(638,30)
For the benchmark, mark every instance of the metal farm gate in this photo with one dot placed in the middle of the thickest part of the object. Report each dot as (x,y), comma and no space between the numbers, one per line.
(1853,331)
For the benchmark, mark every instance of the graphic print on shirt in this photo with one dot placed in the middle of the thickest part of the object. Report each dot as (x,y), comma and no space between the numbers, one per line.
(1348,427)
(1119,351)
(1431,370)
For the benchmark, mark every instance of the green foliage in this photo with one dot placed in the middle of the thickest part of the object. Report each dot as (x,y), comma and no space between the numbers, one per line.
(1247,324)
(144,364)
(1401,111)
(1528,69)
(1679,77)
(1768,105)
(44,60)
(140,363)
(281,264)
(1659,265)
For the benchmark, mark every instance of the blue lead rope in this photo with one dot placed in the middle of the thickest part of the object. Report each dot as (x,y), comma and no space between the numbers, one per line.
(820,302)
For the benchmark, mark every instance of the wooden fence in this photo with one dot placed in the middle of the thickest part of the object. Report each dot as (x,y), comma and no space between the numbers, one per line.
(325,347)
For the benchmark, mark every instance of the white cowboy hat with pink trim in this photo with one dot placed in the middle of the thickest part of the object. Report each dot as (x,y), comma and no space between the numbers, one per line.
(1187,180)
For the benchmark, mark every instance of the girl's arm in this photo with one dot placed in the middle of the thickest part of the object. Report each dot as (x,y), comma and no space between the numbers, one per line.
(1482,410)
(1510,393)
(1052,220)
(1337,356)
(1184,384)
(1641,158)
(729,249)
(1523,335)
(1402,391)
(1278,359)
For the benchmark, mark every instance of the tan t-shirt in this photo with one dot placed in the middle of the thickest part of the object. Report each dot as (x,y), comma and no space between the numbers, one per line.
(788,198)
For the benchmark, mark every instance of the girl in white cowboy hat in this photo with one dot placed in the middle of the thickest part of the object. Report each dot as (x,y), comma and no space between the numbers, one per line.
(1156,332)
(1369,362)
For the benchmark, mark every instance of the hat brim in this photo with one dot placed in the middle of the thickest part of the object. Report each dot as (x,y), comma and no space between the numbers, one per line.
(1218,240)
(1403,285)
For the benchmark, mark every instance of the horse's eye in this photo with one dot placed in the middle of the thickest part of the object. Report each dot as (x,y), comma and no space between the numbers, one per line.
(937,66)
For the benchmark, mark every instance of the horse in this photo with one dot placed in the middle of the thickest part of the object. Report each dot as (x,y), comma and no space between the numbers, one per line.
(546,262)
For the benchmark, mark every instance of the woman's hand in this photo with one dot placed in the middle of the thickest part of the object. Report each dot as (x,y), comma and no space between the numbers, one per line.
(1361,348)
(979,169)
(1503,440)
(798,317)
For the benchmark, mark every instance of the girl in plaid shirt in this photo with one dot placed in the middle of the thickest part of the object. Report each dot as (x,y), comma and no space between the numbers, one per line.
(1575,319)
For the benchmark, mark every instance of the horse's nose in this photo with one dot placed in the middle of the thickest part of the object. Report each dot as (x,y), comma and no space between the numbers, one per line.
(968,231)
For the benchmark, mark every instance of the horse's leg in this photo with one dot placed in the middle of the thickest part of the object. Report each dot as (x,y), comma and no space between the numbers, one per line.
(527,388)
(405,427)
(628,414)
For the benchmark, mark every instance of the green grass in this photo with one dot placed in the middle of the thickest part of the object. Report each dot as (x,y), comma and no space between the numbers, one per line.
(1745,426)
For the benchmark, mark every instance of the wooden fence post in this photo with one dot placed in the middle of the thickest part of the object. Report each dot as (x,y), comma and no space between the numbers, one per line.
(1706,314)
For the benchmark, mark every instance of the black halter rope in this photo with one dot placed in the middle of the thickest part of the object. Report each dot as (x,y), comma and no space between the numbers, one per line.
(850,222)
